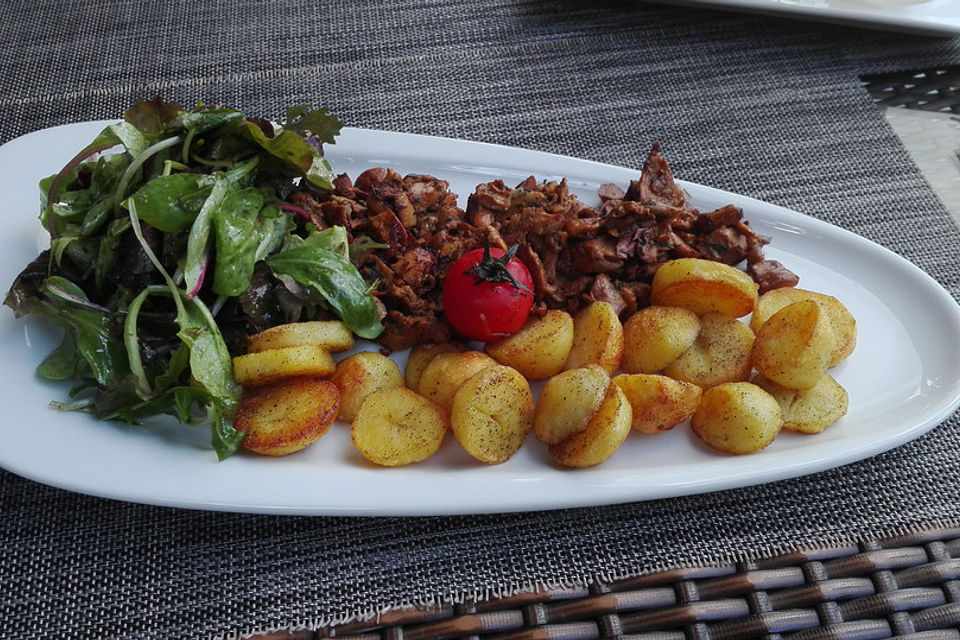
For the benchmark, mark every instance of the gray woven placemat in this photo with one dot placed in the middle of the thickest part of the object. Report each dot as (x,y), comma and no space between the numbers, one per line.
(769,108)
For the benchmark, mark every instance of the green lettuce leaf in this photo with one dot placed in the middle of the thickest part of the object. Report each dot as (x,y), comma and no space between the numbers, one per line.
(337,280)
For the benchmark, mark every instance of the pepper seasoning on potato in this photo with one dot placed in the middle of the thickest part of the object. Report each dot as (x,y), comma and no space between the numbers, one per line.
(361,374)
(582,417)
(737,418)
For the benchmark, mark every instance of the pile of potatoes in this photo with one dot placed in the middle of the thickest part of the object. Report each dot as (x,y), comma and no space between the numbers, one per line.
(688,356)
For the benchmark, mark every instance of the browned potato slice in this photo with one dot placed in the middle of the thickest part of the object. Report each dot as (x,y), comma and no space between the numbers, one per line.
(568,401)
(659,403)
(287,416)
(396,426)
(703,286)
(332,335)
(721,353)
(597,338)
(273,365)
(421,355)
(445,373)
(601,437)
(361,374)
(794,347)
(841,320)
(492,414)
(737,418)
(540,349)
(656,336)
(808,410)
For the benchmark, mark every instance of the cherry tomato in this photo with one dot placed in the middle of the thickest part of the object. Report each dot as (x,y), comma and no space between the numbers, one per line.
(487,296)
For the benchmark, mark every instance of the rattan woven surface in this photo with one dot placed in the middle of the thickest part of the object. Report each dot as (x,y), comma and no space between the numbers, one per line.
(928,89)
(904,587)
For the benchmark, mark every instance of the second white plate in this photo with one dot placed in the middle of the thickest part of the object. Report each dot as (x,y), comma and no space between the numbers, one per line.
(926,17)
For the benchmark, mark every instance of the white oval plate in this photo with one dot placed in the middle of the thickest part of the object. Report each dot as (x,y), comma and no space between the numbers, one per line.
(903,378)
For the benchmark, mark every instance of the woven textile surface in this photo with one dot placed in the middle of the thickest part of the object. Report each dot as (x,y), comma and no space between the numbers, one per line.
(770,108)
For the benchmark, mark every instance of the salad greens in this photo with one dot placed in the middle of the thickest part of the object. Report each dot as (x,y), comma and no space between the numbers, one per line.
(170,242)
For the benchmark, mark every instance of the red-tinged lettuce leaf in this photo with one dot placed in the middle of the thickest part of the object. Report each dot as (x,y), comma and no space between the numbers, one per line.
(198,241)
(153,116)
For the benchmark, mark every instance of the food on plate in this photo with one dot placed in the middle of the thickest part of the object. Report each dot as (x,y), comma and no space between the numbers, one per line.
(597,338)
(421,355)
(272,365)
(396,426)
(704,286)
(567,402)
(659,403)
(655,336)
(841,320)
(576,253)
(602,435)
(721,353)
(492,414)
(204,263)
(795,345)
(737,418)
(445,373)
(171,240)
(287,416)
(487,294)
(540,348)
(808,410)
(359,375)
(332,335)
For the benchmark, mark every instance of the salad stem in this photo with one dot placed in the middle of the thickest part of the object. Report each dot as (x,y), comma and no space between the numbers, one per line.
(138,231)
(135,165)
(131,342)
(217,305)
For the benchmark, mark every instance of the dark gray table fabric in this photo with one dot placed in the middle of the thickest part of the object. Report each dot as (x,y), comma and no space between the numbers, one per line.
(767,107)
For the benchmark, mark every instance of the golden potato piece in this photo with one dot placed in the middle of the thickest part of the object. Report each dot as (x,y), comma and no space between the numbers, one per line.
(721,353)
(361,374)
(703,286)
(421,355)
(659,403)
(540,349)
(492,414)
(737,418)
(446,372)
(808,410)
(654,337)
(597,338)
(567,402)
(794,347)
(287,416)
(332,335)
(396,426)
(841,320)
(273,365)
(602,435)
